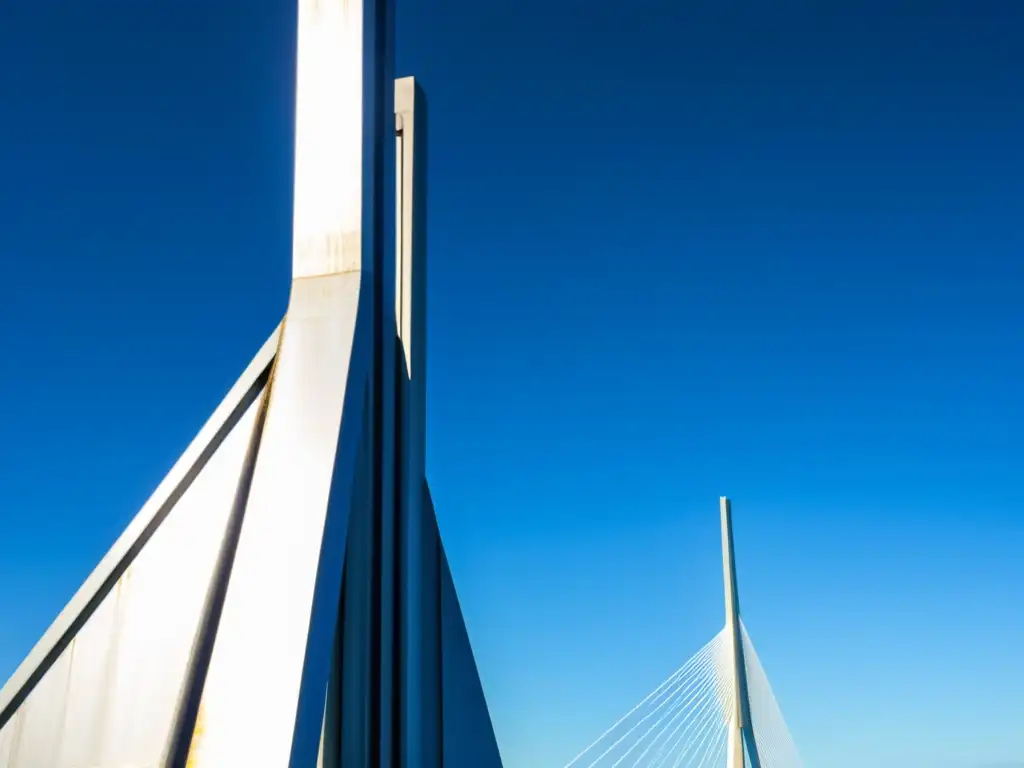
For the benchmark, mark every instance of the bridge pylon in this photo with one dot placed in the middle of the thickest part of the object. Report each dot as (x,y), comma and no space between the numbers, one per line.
(742,745)
(284,600)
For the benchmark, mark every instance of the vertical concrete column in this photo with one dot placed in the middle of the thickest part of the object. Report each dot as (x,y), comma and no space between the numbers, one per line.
(741,734)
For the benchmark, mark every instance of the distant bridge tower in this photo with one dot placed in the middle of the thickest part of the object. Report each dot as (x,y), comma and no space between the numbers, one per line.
(741,732)
(716,709)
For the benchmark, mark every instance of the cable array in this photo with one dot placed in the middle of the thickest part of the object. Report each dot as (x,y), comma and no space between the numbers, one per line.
(775,745)
(683,723)
(680,724)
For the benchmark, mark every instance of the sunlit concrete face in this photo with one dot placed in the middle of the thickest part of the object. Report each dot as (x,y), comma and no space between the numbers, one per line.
(109,698)
(274,638)
(328,138)
(263,700)
(101,685)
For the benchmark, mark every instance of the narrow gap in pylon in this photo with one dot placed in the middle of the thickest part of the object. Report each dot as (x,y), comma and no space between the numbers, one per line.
(398,543)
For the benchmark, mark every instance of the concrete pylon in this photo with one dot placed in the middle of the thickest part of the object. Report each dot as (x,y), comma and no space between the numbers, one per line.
(741,732)
(283,599)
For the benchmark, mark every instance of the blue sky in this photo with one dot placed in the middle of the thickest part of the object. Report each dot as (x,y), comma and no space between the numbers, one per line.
(677,250)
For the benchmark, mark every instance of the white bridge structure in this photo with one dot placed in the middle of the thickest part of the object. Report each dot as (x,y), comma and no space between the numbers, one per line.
(717,709)
(283,599)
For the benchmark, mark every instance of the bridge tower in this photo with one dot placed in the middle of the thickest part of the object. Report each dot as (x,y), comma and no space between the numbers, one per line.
(741,741)
(284,599)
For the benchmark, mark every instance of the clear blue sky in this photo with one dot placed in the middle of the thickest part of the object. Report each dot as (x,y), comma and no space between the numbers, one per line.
(677,250)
